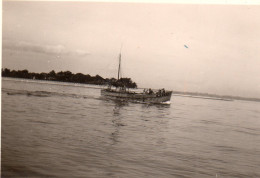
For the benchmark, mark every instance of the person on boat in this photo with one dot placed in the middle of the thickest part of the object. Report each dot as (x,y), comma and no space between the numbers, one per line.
(158,93)
(146,91)
(163,91)
(150,91)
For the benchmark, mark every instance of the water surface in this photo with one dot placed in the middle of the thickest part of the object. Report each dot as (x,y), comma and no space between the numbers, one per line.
(52,129)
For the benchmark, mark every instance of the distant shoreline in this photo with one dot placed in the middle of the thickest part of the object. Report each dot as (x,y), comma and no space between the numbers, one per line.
(213,96)
(50,82)
(203,97)
(175,93)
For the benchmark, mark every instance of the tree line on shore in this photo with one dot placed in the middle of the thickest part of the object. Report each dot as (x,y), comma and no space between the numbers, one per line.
(67,76)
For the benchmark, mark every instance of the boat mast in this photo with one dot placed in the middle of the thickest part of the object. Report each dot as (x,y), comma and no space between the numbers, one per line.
(119,67)
(118,74)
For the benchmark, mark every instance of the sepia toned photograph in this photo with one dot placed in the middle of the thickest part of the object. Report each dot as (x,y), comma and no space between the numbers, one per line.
(130,89)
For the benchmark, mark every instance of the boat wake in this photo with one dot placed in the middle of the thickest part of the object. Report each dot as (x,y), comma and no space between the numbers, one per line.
(42,93)
(166,103)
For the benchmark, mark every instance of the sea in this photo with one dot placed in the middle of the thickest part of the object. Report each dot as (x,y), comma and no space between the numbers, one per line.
(55,129)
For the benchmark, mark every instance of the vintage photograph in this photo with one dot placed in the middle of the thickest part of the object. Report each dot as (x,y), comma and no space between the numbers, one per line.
(130,89)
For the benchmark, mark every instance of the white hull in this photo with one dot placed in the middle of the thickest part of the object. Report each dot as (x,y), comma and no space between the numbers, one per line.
(137,97)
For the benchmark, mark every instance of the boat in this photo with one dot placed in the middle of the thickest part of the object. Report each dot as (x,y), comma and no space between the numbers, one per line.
(123,93)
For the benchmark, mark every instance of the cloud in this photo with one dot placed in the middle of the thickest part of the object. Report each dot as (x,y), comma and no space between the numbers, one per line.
(38,48)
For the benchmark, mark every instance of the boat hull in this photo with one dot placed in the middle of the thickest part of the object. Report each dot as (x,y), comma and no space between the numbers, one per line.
(137,97)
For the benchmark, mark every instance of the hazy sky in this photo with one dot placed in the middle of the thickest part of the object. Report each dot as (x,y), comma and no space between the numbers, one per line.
(204,48)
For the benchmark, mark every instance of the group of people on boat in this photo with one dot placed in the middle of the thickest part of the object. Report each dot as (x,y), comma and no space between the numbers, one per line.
(149,91)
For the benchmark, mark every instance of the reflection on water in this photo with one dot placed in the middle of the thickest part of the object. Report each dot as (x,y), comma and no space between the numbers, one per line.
(117,120)
(69,131)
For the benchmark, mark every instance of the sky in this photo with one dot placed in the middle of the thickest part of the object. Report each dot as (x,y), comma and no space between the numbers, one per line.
(185,47)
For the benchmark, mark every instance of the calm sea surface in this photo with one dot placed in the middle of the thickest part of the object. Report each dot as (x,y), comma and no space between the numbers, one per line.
(52,129)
